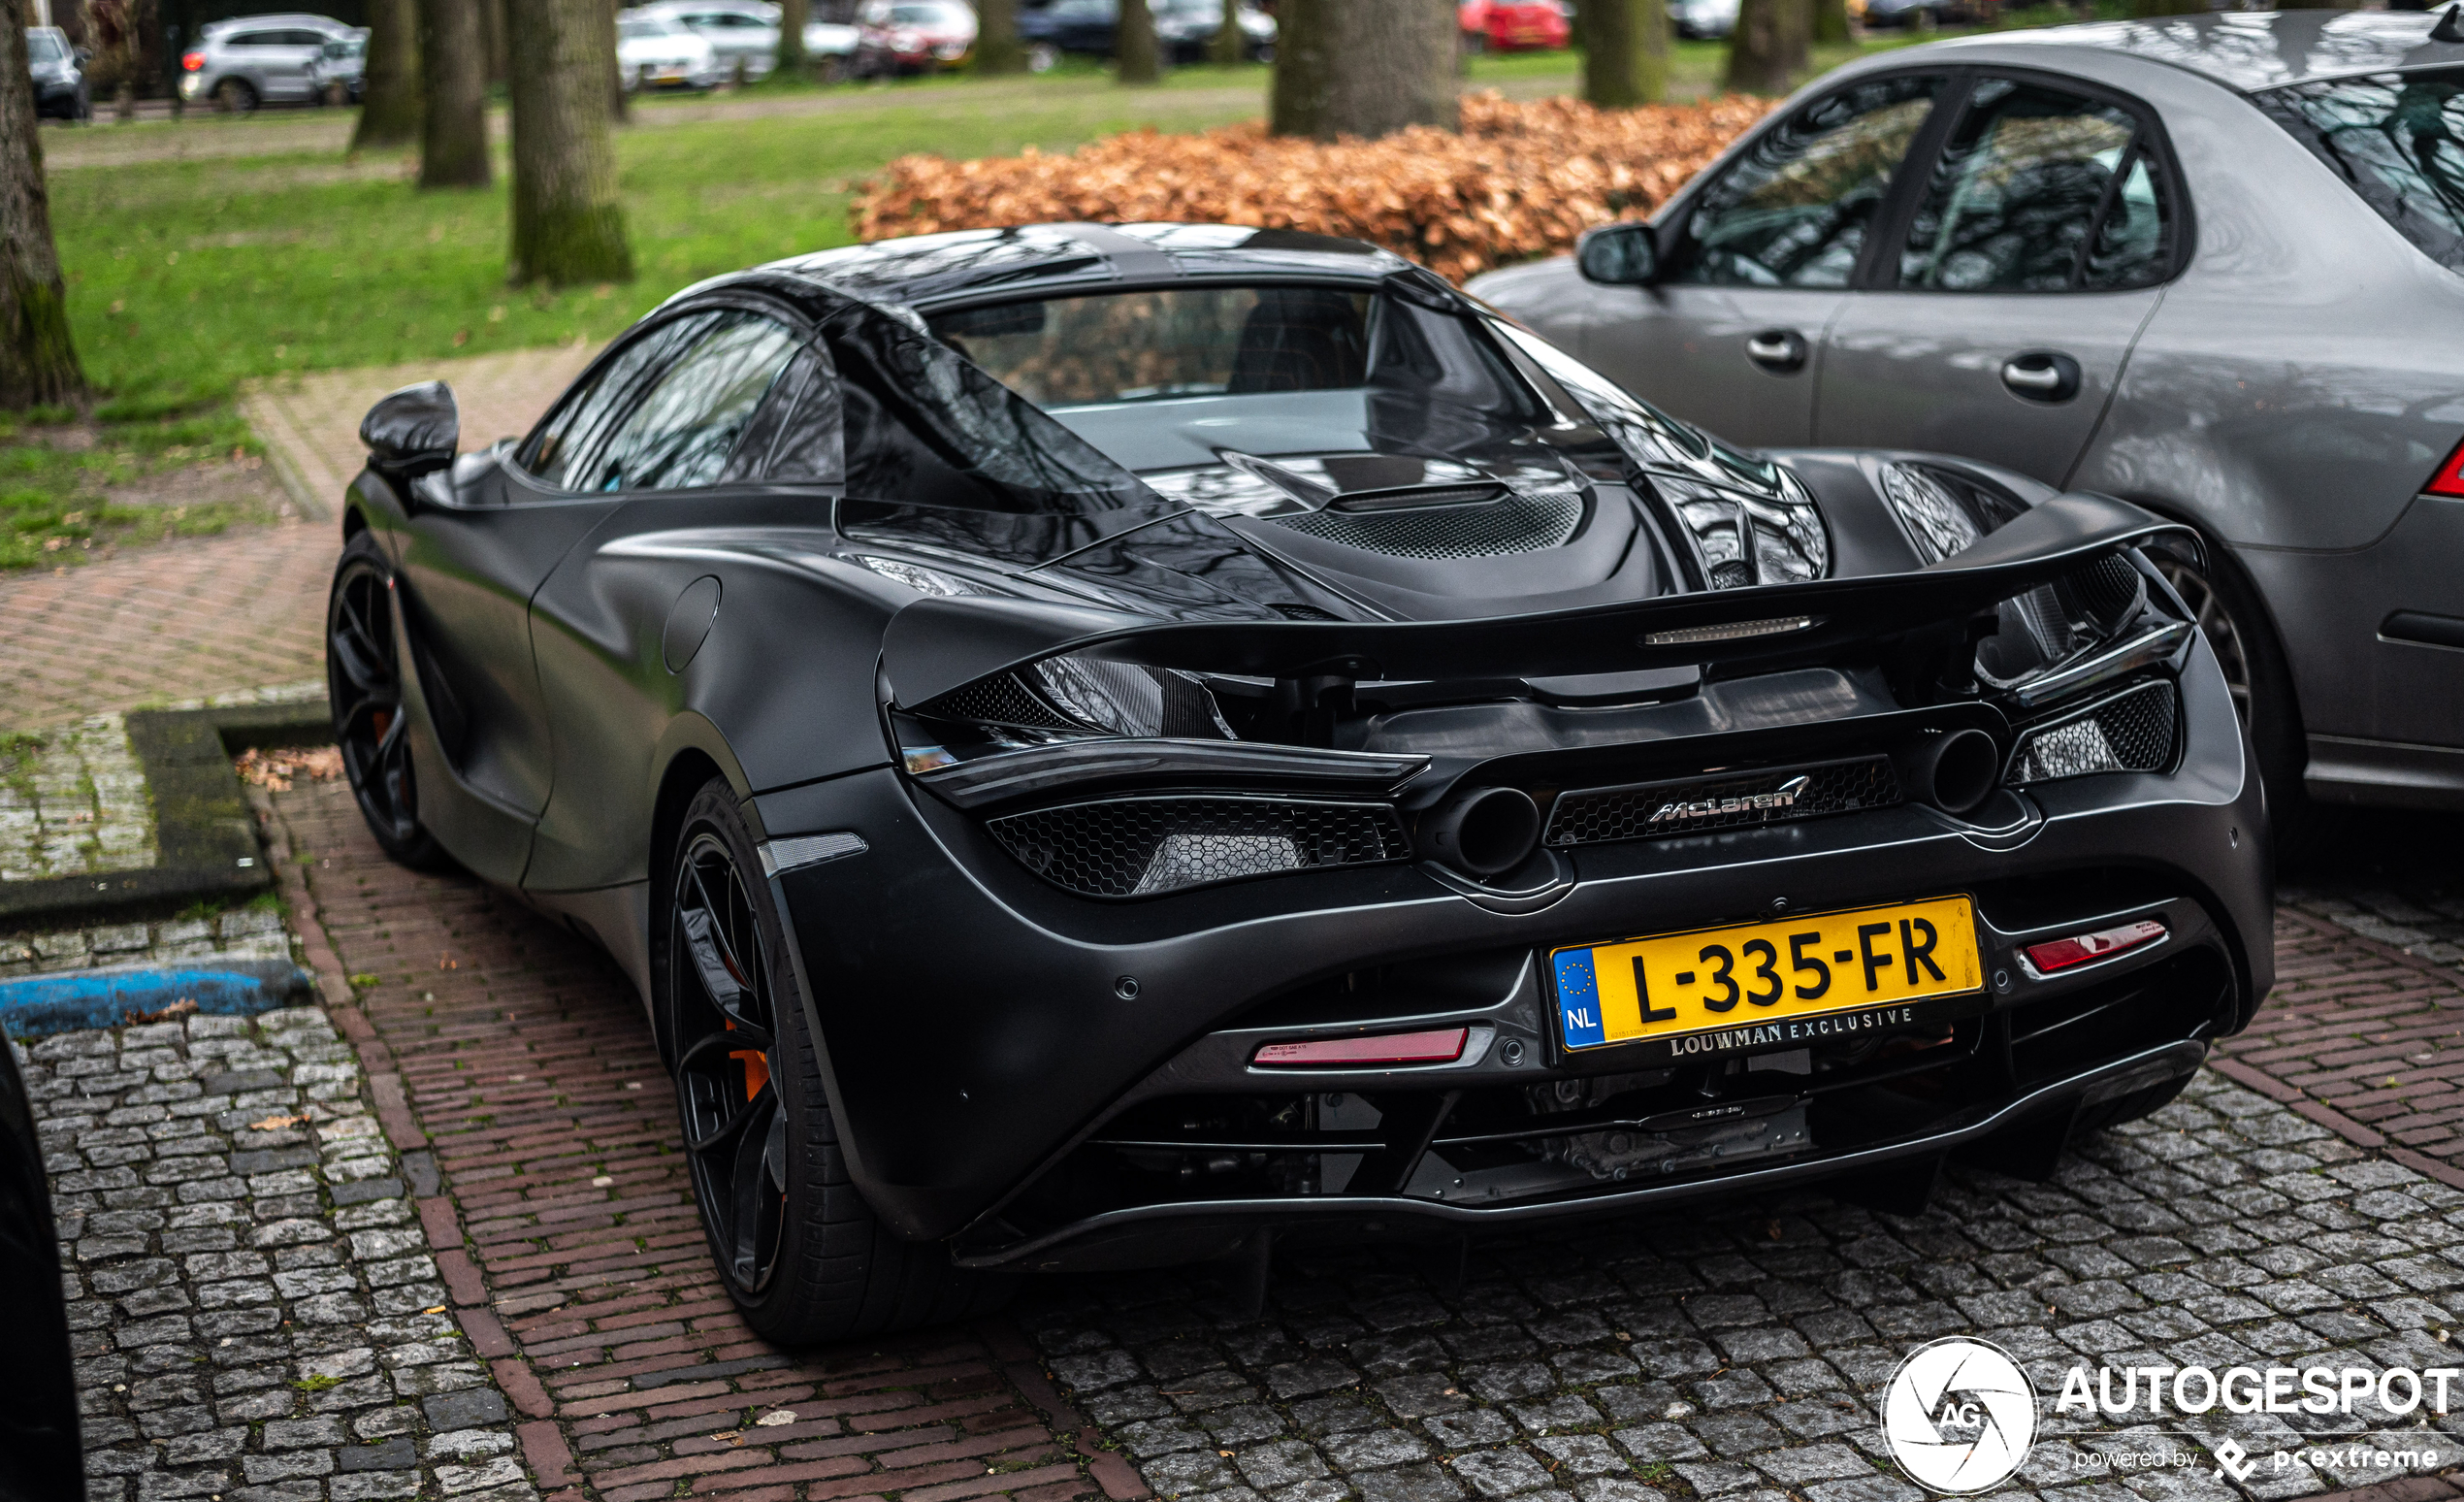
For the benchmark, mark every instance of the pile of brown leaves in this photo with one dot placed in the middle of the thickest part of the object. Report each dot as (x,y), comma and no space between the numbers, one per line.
(276,769)
(1520,181)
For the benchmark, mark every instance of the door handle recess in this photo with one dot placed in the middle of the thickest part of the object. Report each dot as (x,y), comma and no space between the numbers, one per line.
(2042,376)
(1781,351)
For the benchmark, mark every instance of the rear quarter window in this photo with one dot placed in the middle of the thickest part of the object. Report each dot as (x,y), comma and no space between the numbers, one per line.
(2397,140)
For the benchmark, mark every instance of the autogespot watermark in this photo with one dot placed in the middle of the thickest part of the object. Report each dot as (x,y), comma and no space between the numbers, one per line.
(1962,1417)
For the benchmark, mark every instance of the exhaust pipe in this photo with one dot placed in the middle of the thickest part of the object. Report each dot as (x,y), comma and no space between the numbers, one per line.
(1483,833)
(1954,772)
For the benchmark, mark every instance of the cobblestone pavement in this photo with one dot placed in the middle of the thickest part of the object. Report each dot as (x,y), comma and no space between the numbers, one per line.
(234,933)
(255,1312)
(74,800)
(2392,876)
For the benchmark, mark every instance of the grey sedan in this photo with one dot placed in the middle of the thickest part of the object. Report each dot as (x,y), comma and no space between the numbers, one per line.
(2208,263)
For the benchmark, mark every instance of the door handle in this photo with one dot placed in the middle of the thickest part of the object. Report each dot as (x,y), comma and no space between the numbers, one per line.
(1781,351)
(2042,376)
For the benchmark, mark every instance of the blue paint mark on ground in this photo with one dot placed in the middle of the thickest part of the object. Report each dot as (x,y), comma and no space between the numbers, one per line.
(38,1006)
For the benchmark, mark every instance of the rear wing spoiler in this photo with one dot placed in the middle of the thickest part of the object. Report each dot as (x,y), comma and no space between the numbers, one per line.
(939,643)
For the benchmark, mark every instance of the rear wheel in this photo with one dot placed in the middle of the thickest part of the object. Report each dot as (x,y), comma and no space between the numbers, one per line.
(364,687)
(801,1251)
(236,96)
(2236,627)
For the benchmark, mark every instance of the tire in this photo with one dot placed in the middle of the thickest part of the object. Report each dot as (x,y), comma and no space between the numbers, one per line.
(234,96)
(364,693)
(2237,629)
(834,69)
(797,1247)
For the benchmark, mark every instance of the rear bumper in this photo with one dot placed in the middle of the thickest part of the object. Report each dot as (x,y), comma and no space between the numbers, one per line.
(979,1027)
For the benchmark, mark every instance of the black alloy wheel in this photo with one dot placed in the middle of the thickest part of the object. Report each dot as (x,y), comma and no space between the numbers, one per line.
(363,684)
(798,1247)
(2223,632)
(722,1023)
(2229,616)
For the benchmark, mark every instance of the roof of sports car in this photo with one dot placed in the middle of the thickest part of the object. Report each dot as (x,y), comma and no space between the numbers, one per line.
(923,270)
(2254,49)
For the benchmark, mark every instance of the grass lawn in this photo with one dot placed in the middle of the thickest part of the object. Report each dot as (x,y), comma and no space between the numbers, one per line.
(55,507)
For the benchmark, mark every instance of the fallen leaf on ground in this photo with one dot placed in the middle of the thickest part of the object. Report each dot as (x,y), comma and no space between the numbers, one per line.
(275,1123)
(776,1417)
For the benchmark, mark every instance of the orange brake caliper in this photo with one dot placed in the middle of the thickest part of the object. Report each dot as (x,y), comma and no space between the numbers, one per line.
(756,1069)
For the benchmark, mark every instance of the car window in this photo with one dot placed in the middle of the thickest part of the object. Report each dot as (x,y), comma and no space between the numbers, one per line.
(40,47)
(1794,210)
(2038,189)
(2397,140)
(680,434)
(1144,347)
(559,450)
(252,39)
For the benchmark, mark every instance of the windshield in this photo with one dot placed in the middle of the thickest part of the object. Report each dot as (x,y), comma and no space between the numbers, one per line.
(647,29)
(1144,347)
(926,16)
(2397,140)
(43,47)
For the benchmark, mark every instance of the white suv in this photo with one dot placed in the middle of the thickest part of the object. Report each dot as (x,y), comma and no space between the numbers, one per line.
(259,59)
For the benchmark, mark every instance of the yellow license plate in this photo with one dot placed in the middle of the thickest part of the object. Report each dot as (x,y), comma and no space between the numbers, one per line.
(1769,985)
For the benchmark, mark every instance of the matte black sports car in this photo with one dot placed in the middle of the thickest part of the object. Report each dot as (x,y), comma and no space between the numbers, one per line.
(1111,745)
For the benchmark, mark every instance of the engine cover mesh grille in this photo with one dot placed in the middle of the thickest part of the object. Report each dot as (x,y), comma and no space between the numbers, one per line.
(2134,731)
(1142,846)
(1694,805)
(998,701)
(1518,524)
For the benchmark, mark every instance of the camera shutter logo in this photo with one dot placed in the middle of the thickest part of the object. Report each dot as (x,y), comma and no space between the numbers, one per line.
(1959,1416)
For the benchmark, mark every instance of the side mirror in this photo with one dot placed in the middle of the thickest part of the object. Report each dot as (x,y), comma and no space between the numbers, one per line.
(84,54)
(1624,254)
(412,432)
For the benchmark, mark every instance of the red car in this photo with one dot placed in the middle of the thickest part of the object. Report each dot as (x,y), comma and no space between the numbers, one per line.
(1515,26)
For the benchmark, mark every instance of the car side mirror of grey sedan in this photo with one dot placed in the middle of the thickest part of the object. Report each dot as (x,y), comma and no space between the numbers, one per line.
(1624,254)
(412,432)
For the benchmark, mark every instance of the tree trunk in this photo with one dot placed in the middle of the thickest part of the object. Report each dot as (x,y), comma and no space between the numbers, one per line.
(1797,39)
(568,224)
(390,108)
(38,360)
(791,61)
(453,142)
(1363,68)
(1229,46)
(1758,49)
(997,47)
(492,28)
(1831,22)
(1625,51)
(620,104)
(1141,55)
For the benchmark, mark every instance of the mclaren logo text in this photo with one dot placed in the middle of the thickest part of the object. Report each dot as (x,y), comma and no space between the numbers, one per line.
(1785,795)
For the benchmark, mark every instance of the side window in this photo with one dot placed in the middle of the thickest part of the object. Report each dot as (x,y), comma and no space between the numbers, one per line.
(559,449)
(2397,140)
(1795,211)
(2039,190)
(680,434)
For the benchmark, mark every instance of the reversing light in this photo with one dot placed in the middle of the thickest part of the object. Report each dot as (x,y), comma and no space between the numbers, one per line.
(2450,480)
(2063,953)
(1439,1045)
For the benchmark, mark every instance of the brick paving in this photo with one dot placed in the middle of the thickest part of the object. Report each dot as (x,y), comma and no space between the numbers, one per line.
(571,1248)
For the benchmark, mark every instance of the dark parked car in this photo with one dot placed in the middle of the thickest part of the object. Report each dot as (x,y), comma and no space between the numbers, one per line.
(60,90)
(1185,29)
(2214,264)
(1106,746)
(41,1458)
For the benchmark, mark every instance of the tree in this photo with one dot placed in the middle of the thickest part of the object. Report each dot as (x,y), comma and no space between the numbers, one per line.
(792,15)
(453,142)
(1831,22)
(1229,46)
(1625,51)
(997,47)
(1760,61)
(492,27)
(1363,68)
(389,107)
(1141,55)
(38,360)
(568,224)
(620,104)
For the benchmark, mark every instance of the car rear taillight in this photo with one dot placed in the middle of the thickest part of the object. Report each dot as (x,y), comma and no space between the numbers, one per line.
(193,62)
(2063,953)
(2450,478)
(1441,1045)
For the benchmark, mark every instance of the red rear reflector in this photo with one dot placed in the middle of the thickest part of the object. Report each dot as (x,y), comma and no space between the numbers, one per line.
(2450,480)
(2080,948)
(1442,1045)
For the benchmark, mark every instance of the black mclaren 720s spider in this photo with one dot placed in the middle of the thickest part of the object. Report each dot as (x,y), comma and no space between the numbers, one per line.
(1122,745)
